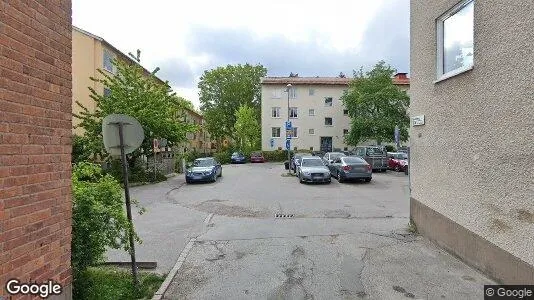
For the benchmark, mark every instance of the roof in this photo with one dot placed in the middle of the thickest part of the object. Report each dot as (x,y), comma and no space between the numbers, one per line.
(127,57)
(320,80)
(194,112)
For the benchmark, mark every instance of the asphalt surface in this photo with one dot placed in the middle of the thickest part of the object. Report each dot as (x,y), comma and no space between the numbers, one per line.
(269,237)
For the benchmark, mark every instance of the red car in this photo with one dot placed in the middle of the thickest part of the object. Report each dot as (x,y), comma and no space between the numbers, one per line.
(397,161)
(257,157)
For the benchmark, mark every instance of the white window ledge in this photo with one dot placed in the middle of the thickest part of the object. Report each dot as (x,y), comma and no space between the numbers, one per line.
(454,73)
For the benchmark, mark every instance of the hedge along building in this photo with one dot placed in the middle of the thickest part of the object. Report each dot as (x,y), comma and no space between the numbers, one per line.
(35,143)
(472,180)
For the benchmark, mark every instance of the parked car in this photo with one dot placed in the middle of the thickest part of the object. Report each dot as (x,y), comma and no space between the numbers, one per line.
(397,161)
(318,153)
(238,158)
(203,169)
(329,157)
(257,157)
(351,167)
(313,169)
(295,160)
(373,155)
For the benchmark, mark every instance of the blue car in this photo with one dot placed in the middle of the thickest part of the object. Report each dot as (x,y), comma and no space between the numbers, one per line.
(203,170)
(238,158)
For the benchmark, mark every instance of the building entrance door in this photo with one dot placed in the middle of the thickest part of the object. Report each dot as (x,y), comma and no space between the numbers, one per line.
(326,144)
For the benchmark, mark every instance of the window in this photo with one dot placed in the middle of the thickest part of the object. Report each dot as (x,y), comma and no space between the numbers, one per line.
(107,92)
(107,63)
(345,131)
(328,101)
(295,132)
(275,132)
(277,93)
(328,121)
(293,93)
(455,40)
(311,148)
(275,112)
(293,112)
(311,112)
(311,131)
(311,92)
(346,149)
(345,112)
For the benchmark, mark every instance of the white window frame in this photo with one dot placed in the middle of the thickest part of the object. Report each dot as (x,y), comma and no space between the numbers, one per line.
(311,131)
(277,109)
(294,109)
(331,101)
(276,94)
(295,132)
(292,93)
(330,119)
(112,56)
(440,40)
(310,112)
(279,133)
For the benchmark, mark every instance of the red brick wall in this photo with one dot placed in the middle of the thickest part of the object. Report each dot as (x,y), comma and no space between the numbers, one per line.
(35,140)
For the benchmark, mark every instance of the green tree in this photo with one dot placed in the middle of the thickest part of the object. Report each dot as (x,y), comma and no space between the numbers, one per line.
(223,90)
(375,106)
(247,128)
(137,93)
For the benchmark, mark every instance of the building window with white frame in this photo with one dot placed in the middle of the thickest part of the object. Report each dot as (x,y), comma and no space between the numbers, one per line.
(328,122)
(328,101)
(455,40)
(277,94)
(311,112)
(293,112)
(293,92)
(275,112)
(295,132)
(311,92)
(345,112)
(275,132)
(311,131)
(107,61)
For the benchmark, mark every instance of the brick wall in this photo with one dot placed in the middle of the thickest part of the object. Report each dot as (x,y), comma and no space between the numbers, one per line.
(35,141)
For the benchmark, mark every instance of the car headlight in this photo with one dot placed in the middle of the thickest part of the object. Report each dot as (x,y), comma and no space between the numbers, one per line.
(306,173)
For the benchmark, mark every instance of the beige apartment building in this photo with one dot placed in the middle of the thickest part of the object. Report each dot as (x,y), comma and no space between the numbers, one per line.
(199,141)
(318,117)
(472,179)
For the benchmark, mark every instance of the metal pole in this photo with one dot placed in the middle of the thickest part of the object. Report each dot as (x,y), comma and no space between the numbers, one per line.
(128,206)
(288,155)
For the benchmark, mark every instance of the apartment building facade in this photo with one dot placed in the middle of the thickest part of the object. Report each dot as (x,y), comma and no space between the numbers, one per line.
(198,141)
(472,180)
(316,112)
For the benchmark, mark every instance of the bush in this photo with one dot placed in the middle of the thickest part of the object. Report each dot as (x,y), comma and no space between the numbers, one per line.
(276,155)
(98,218)
(136,174)
(390,148)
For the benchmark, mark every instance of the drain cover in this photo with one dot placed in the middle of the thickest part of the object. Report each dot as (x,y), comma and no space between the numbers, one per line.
(284,216)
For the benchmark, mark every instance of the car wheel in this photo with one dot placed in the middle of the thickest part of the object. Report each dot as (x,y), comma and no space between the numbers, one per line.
(214,179)
(367,179)
(340,178)
(397,168)
(220,175)
(187,181)
(300,179)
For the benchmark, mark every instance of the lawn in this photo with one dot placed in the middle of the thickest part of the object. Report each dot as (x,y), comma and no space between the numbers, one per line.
(109,283)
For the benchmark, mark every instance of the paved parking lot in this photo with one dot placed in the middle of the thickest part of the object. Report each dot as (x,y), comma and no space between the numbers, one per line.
(260,235)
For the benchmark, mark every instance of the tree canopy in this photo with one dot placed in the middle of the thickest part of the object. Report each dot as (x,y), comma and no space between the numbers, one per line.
(376,106)
(223,91)
(247,128)
(135,93)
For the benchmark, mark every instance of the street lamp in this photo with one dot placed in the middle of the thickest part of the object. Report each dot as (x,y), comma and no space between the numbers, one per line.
(288,155)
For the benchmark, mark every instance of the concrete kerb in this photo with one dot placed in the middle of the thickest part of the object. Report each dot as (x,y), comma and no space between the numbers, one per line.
(183,255)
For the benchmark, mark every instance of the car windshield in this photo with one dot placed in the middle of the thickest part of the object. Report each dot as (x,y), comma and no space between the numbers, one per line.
(375,151)
(400,156)
(203,163)
(353,160)
(256,154)
(236,154)
(312,163)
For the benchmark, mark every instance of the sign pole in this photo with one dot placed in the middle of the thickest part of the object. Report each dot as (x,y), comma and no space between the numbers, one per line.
(128,206)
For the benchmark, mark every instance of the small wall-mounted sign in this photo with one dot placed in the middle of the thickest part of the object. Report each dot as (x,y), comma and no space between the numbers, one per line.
(418,120)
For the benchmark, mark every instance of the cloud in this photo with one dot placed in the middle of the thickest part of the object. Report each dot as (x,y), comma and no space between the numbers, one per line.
(177,71)
(386,37)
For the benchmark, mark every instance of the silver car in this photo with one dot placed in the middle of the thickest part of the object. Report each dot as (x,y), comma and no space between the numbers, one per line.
(351,167)
(312,169)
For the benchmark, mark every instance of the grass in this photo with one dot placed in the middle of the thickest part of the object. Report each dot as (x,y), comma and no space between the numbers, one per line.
(111,283)
(412,228)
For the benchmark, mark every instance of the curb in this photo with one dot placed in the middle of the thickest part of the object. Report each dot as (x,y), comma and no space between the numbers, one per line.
(163,288)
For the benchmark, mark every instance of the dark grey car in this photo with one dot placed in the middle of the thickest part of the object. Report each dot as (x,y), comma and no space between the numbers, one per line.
(351,167)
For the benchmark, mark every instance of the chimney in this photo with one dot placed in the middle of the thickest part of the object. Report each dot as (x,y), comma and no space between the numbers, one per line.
(400,76)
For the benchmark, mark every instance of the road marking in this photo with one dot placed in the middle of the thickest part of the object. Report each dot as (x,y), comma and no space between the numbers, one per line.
(172,273)
(208,219)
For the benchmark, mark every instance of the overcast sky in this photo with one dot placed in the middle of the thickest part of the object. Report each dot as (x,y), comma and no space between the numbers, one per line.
(304,37)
